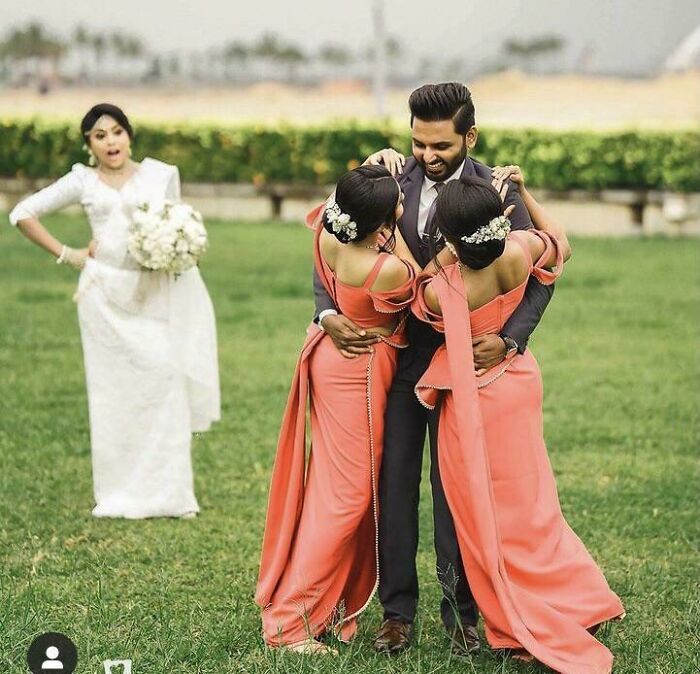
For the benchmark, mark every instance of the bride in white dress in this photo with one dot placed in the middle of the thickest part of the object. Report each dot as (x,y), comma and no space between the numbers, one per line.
(149,338)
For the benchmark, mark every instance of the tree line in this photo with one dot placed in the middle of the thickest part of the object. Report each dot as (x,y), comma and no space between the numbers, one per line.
(31,54)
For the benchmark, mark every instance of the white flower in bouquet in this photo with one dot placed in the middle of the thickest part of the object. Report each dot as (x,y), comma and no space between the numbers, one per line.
(167,237)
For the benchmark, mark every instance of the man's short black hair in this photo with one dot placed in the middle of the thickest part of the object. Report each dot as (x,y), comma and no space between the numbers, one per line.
(447,100)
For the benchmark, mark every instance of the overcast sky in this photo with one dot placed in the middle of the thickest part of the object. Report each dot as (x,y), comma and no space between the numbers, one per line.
(625,35)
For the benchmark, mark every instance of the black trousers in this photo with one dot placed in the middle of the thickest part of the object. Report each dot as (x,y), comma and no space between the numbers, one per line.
(405,427)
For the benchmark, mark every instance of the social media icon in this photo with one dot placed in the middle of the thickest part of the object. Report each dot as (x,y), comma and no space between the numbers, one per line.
(124,664)
(52,652)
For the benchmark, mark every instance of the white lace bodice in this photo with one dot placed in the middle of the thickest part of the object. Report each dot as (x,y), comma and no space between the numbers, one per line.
(108,209)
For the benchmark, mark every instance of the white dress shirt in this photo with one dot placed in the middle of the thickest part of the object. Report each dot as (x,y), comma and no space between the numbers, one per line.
(428,194)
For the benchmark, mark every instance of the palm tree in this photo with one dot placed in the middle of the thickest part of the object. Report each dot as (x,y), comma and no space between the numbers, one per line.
(267,49)
(529,51)
(214,59)
(338,56)
(173,67)
(32,43)
(393,48)
(81,39)
(155,69)
(99,47)
(268,46)
(335,58)
(235,55)
(117,45)
(292,56)
(134,49)
(274,51)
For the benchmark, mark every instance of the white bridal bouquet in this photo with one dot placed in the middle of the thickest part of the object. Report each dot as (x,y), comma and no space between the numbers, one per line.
(167,237)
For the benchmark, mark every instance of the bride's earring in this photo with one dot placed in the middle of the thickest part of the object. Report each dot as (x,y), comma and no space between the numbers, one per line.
(91,156)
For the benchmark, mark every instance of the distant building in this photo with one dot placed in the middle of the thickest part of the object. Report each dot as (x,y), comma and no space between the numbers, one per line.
(686,56)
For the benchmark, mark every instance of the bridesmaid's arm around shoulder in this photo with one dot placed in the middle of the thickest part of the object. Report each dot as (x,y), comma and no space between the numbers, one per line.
(543,221)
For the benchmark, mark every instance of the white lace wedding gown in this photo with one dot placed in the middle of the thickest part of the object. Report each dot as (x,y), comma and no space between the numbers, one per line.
(149,342)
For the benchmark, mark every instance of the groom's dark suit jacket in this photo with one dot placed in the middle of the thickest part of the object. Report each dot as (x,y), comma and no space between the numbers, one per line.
(526,316)
(403,442)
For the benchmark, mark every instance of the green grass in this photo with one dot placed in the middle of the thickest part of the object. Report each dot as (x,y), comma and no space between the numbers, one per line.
(618,352)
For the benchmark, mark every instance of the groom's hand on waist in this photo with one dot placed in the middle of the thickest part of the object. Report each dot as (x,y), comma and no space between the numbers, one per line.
(350,339)
(489,351)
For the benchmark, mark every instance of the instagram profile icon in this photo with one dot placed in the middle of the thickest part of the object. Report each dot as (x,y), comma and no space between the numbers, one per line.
(52,652)
(117,666)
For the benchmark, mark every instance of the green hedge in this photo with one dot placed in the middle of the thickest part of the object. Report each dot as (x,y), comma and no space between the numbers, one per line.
(318,155)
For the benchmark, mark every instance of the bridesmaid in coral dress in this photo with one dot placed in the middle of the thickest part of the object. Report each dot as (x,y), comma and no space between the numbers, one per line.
(319,560)
(538,588)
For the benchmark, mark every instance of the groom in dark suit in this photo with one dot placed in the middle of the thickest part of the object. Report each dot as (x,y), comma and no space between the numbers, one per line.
(443,132)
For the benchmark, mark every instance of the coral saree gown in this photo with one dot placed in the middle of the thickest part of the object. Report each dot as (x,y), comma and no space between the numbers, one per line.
(533,579)
(319,560)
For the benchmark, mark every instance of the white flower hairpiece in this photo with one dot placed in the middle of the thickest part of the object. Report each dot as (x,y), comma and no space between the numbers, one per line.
(340,222)
(496,230)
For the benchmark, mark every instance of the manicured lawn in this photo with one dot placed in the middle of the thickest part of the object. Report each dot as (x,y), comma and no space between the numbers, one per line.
(618,350)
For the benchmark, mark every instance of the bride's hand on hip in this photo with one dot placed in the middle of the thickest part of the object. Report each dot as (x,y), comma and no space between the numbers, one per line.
(75,257)
(78,257)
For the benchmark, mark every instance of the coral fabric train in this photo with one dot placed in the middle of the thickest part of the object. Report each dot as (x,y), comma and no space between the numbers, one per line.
(533,579)
(319,560)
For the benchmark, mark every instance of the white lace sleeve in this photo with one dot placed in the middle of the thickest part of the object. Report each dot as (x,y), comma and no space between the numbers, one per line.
(172,191)
(64,192)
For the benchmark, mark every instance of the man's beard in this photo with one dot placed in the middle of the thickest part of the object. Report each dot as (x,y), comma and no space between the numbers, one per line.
(445,170)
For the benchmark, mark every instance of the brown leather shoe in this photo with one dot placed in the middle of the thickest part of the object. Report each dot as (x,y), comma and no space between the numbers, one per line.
(464,641)
(393,637)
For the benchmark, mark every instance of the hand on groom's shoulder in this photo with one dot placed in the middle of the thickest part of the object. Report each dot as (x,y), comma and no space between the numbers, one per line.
(410,164)
(519,217)
(408,168)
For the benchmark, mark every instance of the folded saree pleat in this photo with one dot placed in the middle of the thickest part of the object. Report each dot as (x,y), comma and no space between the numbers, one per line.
(319,562)
(535,583)
(287,485)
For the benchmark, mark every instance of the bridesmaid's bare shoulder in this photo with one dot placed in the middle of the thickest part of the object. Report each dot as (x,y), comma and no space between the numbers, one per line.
(392,274)
(513,266)
(329,247)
